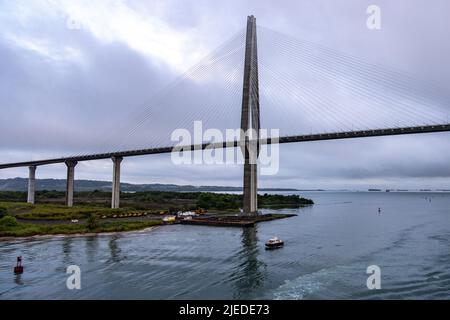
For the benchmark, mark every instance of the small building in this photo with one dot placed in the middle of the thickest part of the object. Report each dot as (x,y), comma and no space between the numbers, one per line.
(186,214)
(169,219)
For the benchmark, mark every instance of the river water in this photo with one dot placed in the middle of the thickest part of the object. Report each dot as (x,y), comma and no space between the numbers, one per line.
(328,248)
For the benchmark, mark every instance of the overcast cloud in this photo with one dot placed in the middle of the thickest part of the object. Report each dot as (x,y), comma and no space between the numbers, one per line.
(72,71)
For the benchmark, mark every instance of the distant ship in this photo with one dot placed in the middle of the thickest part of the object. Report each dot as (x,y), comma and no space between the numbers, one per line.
(373,190)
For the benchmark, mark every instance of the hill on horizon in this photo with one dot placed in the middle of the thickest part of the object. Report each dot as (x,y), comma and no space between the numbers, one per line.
(21,184)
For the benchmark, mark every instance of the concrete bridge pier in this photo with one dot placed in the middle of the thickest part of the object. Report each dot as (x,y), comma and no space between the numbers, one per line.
(250,119)
(70,182)
(250,189)
(31,184)
(116,182)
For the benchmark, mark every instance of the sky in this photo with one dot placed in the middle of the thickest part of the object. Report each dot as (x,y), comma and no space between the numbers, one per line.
(75,74)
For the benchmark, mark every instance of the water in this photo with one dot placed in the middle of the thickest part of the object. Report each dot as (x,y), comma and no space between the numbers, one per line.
(328,248)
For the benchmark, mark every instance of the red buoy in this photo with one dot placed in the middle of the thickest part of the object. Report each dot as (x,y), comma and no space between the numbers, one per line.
(18,269)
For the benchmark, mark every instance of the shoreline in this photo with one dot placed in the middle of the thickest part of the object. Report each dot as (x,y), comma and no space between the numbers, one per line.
(211,221)
(76,235)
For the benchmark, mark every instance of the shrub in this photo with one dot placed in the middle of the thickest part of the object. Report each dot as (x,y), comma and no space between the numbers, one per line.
(92,221)
(3,212)
(8,221)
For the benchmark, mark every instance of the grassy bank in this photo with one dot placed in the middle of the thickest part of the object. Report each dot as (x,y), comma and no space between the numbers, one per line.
(139,210)
(12,223)
(52,212)
(60,212)
(13,228)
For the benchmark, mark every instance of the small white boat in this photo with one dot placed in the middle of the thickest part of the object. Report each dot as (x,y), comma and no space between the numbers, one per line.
(274,243)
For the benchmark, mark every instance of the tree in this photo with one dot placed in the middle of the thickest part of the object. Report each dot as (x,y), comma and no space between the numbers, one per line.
(92,221)
(3,212)
(8,221)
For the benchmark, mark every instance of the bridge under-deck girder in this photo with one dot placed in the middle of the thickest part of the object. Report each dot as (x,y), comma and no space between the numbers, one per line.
(231,144)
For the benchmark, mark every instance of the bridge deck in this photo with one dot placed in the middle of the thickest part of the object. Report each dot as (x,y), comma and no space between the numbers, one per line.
(287,139)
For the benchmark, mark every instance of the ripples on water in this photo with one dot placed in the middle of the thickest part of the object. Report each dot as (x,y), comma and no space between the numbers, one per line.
(328,248)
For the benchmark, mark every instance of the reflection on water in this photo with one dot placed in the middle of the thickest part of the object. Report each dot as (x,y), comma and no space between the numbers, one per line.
(66,249)
(114,248)
(327,249)
(18,279)
(248,274)
(92,246)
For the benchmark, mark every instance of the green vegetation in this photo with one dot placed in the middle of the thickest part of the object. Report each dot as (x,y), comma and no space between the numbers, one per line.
(55,212)
(8,221)
(92,221)
(3,212)
(220,201)
(51,216)
(10,226)
(280,201)
(155,201)
(27,229)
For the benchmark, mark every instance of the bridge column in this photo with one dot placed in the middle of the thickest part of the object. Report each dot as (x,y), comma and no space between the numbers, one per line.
(250,189)
(31,184)
(250,119)
(70,182)
(116,182)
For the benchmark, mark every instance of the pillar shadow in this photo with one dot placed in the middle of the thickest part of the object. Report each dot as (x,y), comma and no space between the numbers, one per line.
(114,249)
(18,279)
(91,248)
(248,274)
(67,250)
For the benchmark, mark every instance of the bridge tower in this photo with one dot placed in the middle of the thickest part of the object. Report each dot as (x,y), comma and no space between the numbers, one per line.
(250,120)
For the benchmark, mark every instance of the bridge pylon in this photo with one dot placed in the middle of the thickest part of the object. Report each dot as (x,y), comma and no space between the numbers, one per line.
(250,120)
(31,184)
(70,182)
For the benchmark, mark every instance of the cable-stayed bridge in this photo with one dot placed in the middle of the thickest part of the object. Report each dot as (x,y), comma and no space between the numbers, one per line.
(268,81)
